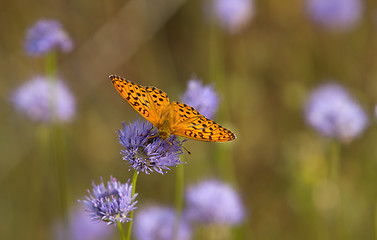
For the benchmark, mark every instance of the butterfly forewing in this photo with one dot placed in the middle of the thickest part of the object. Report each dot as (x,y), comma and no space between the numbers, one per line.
(192,124)
(145,100)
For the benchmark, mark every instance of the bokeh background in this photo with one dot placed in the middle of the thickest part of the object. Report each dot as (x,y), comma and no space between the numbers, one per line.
(263,70)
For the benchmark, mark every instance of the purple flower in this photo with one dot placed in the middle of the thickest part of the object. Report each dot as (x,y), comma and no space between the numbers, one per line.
(232,15)
(213,201)
(335,14)
(203,98)
(44,101)
(334,113)
(80,227)
(145,150)
(46,35)
(112,204)
(158,223)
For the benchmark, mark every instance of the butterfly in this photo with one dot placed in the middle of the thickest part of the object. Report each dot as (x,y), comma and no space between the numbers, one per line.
(170,117)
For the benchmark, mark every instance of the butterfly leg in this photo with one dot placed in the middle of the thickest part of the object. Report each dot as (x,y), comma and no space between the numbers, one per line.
(150,130)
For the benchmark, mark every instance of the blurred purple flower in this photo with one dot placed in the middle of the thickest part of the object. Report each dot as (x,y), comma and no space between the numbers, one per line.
(145,151)
(334,113)
(44,101)
(46,35)
(335,14)
(213,201)
(203,98)
(112,204)
(232,15)
(81,227)
(158,223)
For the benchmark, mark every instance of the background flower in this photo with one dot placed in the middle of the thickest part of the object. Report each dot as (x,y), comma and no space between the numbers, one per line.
(81,227)
(333,112)
(145,151)
(158,223)
(44,101)
(45,36)
(335,14)
(203,98)
(110,204)
(213,201)
(232,15)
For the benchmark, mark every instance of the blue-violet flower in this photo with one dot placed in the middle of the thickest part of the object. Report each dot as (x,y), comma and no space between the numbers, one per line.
(334,113)
(232,15)
(203,98)
(158,223)
(110,204)
(80,227)
(45,36)
(145,150)
(42,100)
(213,201)
(335,14)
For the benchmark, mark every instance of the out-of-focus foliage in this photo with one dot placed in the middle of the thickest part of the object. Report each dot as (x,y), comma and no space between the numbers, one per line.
(294,182)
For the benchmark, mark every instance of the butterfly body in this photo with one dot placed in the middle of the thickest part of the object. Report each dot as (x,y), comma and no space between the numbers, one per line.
(170,118)
(166,119)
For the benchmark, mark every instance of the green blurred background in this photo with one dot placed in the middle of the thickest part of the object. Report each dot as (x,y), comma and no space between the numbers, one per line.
(263,73)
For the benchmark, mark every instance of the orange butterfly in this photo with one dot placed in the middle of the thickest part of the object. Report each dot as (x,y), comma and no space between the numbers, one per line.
(170,118)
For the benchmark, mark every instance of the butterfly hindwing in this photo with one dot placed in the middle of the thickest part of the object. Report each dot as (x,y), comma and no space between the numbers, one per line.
(145,100)
(192,124)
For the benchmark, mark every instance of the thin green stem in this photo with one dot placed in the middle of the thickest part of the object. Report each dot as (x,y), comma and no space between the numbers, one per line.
(60,167)
(134,179)
(179,194)
(57,139)
(179,186)
(334,175)
(122,236)
(375,221)
(334,160)
(51,65)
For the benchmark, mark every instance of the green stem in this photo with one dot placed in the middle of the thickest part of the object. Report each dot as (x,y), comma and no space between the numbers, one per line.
(179,194)
(179,186)
(57,140)
(60,168)
(134,178)
(51,65)
(334,175)
(334,160)
(375,221)
(122,236)
(39,170)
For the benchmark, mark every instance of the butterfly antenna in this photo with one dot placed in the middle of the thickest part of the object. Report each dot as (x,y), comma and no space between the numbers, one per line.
(186,149)
(181,144)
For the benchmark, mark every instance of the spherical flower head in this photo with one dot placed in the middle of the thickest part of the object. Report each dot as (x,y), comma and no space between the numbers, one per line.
(334,113)
(110,204)
(158,223)
(145,150)
(213,201)
(44,101)
(232,15)
(45,36)
(80,227)
(335,14)
(203,98)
